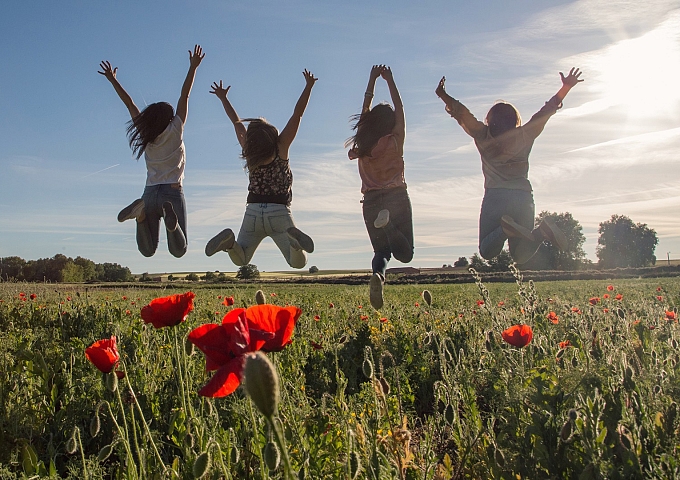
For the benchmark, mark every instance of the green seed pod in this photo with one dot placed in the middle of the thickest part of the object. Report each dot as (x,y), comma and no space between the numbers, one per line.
(657,389)
(354,465)
(565,432)
(234,454)
(105,453)
(448,414)
(342,340)
(674,344)
(499,458)
(572,414)
(72,442)
(189,441)
(95,424)
(188,347)
(259,298)
(384,386)
(201,465)
(271,456)
(490,338)
(367,367)
(262,383)
(560,354)
(574,361)
(624,437)
(427,296)
(111,381)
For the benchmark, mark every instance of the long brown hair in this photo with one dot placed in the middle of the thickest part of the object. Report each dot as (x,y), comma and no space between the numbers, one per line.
(261,142)
(370,127)
(145,127)
(502,117)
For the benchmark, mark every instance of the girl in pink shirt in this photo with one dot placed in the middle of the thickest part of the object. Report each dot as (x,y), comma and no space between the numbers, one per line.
(378,144)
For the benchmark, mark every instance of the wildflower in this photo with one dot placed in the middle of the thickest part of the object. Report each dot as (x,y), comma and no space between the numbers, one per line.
(417,304)
(168,311)
(316,346)
(576,310)
(594,300)
(228,301)
(33,296)
(22,294)
(554,319)
(658,289)
(68,299)
(272,294)
(618,296)
(330,305)
(460,315)
(605,310)
(317,318)
(124,297)
(518,335)
(360,306)
(605,296)
(659,298)
(103,354)
(364,318)
(565,344)
(128,312)
(610,288)
(501,303)
(383,320)
(670,315)
(480,303)
(652,327)
(262,327)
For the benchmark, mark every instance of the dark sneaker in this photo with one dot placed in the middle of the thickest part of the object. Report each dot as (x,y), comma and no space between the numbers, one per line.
(515,230)
(220,242)
(300,240)
(376,290)
(169,216)
(553,234)
(382,219)
(134,210)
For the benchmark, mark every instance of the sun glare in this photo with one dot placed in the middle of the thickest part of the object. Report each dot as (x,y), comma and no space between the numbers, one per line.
(642,74)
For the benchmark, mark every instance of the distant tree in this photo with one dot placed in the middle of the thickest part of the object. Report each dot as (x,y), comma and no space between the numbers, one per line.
(248,272)
(12,268)
(88,267)
(313,269)
(171,278)
(112,272)
(623,243)
(192,277)
(72,273)
(209,277)
(461,262)
(478,263)
(145,277)
(548,256)
(502,262)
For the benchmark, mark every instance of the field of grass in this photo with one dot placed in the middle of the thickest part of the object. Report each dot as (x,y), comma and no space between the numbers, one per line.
(415,391)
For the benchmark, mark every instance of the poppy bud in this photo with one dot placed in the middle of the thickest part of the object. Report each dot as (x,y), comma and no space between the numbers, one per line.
(188,347)
(189,441)
(72,443)
(259,298)
(384,386)
(657,389)
(674,344)
(560,354)
(234,455)
(572,414)
(105,453)
(354,465)
(624,437)
(574,361)
(427,296)
(342,340)
(201,465)
(95,424)
(499,458)
(367,367)
(111,381)
(565,432)
(448,414)
(272,456)
(262,383)
(302,473)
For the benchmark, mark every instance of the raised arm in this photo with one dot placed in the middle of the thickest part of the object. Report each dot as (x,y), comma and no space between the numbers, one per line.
(288,133)
(457,110)
(568,82)
(399,129)
(183,102)
(220,92)
(370,88)
(536,124)
(110,74)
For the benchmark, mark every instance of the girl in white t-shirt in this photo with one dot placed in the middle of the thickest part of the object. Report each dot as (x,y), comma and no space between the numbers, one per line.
(157,132)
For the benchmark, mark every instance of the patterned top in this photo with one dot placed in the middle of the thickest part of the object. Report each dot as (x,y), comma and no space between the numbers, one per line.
(271,183)
(383,168)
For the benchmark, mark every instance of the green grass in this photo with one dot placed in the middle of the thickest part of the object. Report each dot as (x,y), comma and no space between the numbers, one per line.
(447,397)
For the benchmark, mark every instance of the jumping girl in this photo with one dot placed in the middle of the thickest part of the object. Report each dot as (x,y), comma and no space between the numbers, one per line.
(504,144)
(268,214)
(378,144)
(157,132)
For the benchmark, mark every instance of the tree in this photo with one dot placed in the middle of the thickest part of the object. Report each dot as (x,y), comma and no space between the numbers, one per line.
(248,272)
(623,243)
(548,257)
(72,273)
(12,268)
(502,262)
(192,277)
(313,269)
(461,262)
(478,263)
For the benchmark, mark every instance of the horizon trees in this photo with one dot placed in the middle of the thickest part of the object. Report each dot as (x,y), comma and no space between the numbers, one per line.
(623,243)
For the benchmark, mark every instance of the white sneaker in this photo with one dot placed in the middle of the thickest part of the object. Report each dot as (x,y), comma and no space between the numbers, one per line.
(514,229)
(300,240)
(134,210)
(220,242)
(382,219)
(553,234)
(376,290)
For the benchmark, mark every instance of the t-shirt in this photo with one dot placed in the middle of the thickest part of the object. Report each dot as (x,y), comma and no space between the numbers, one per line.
(505,158)
(383,168)
(271,183)
(165,156)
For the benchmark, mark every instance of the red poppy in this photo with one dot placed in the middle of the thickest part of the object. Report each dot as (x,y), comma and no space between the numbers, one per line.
(33,296)
(460,315)
(317,318)
(474,312)
(128,312)
(565,344)
(261,327)
(68,299)
(383,320)
(103,354)
(658,289)
(618,296)
(518,335)
(652,327)
(124,297)
(417,304)
(168,311)
(501,303)
(273,294)
(594,300)
(480,302)
(605,296)
(670,315)
(659,298)
(22,294)
(364,318)
(316,346)
(552,316)
(610,288)
(330,305)
(360,306)
(576,310)
(605,310)
(228,301)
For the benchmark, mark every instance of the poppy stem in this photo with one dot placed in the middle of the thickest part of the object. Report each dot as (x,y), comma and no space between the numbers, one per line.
(82,453)
(281,442)
(258,448)
(180,377)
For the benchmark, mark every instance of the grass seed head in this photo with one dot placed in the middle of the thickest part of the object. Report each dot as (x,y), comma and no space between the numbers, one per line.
(262,383)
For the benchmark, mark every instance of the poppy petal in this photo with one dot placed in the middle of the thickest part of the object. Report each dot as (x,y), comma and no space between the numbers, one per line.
(271,318)
(211,340)
(226,380)
(168,311)
(103,354)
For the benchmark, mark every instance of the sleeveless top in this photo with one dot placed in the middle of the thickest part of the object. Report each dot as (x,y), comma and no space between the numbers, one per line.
(383,168)
(271,183)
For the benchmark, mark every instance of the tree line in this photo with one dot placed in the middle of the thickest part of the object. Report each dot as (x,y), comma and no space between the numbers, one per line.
(61,268)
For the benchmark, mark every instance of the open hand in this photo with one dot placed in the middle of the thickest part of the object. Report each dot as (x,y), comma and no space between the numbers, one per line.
(376,71)
(219,90)
(571,79)
(441,87)
(309,77)
(195,59)
(107,70)
(386,73)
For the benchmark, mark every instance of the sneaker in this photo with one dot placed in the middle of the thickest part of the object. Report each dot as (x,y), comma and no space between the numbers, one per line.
(300,240)
(515,230)
(376,290)
(553,234)
(220,242)
(169,217)
(382,219)
(134,210)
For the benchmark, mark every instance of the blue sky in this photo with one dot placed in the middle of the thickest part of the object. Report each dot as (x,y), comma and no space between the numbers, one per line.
(67,169)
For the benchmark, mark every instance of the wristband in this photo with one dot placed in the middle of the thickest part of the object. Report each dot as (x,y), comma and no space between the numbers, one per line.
(368,94)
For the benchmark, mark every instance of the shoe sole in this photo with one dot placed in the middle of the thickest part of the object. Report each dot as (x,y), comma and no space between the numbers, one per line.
(514,229)
(376,291)
(220,242)
(554,235)
(303,240)
(382,219)
(131,211)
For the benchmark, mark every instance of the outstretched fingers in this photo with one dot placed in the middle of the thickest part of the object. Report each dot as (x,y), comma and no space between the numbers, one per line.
(197,56)
(219,90)
(309,77)
(573,77)
(107,70)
